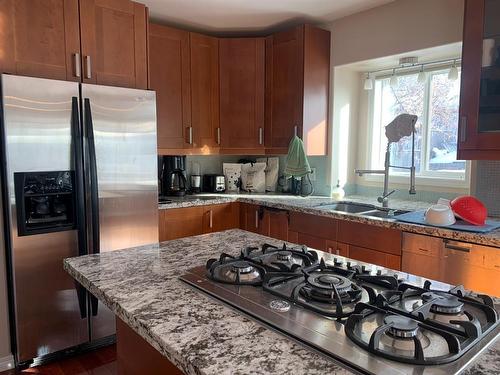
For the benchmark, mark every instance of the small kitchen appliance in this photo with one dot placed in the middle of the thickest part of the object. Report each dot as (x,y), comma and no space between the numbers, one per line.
(173,176)
(214,183)
(195,181)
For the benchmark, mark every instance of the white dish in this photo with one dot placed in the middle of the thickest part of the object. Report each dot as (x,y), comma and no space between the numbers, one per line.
(440,215)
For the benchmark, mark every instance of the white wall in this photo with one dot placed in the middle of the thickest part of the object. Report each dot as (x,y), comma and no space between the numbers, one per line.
(397,27)
(401,27)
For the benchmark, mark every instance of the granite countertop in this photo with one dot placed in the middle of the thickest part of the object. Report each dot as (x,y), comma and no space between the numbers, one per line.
(199,334)
(310,205)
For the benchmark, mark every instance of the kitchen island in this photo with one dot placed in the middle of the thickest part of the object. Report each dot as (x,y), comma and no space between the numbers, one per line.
(196,333)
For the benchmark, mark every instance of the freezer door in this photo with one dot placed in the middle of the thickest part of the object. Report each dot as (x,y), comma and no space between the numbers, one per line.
(36,122)
(121,162)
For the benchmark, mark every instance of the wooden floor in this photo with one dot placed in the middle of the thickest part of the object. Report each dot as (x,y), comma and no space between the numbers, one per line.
(97,362)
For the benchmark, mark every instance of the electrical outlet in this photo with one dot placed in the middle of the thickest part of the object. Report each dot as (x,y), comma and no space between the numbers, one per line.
(313,174)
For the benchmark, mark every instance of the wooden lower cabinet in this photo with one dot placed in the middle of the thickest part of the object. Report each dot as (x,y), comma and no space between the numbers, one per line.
(134,355)
(266,221)
(474,266)
(191,221)
(374,257)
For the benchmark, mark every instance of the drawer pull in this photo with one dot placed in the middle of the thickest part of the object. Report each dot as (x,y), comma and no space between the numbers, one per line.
(449,245)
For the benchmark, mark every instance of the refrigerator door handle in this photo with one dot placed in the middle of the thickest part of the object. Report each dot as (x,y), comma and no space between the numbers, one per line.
(77,140)
(94,189)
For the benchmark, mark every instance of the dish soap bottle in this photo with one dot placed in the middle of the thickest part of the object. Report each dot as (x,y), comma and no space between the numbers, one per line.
(338,193)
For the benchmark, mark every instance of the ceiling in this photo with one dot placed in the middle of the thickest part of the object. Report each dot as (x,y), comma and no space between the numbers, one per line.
(227,16)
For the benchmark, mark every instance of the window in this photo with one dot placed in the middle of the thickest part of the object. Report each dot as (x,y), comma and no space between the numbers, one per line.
(435,102)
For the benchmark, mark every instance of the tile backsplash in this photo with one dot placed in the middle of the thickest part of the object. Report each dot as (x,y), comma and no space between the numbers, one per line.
(487,185)
(213,164)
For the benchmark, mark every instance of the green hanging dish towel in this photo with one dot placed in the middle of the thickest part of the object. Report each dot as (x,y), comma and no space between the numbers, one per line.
(297,164)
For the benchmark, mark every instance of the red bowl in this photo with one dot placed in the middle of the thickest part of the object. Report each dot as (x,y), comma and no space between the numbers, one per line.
(470,209)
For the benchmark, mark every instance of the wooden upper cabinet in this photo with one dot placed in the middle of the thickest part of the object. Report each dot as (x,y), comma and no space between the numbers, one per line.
(297,88)
(242,76)
(40,38)
(114,42)
(204,92)
(169,72)
(479,121)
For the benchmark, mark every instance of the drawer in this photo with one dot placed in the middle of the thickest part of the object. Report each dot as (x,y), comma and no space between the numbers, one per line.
(318,226)
(369,236)
(314,242)
(422,245)
(375,257)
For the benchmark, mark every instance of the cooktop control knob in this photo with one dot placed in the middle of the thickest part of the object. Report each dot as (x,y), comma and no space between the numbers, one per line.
(337,261)
(379,272)
(366,269)
(350,265)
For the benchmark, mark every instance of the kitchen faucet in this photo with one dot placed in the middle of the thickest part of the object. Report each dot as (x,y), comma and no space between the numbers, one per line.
(403,125)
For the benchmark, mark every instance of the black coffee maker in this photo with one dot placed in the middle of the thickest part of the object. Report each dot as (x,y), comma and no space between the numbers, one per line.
(172,176)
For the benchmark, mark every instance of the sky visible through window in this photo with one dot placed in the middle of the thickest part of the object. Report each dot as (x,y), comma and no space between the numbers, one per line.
(436,104)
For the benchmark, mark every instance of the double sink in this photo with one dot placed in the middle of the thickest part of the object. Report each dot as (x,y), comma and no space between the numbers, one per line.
(362,209)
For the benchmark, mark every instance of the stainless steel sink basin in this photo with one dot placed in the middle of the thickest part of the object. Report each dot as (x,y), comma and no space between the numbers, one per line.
(385,214)
(352,208)
(361,209)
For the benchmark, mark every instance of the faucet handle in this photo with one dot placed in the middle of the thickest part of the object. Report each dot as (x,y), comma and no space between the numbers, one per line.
(383,198)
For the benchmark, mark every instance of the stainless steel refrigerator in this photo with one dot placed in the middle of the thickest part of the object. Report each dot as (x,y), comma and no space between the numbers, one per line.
(80,172)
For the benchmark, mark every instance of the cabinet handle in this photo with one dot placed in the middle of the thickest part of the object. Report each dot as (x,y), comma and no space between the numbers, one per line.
(256,219)
(337,252)
(211,220)
(295,130)
(450,245)
(463,128)
(88,67)
(261,136)
(78,66)
(218,136)
(190,135)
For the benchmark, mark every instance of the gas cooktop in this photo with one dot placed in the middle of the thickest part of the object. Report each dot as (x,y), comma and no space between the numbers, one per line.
(364,316)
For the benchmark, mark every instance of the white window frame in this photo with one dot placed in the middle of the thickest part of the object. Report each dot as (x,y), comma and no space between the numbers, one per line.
(424,177)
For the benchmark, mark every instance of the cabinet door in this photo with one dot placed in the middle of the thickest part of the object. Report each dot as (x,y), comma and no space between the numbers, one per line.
(337,248)
(479,136)
(220,217)
(278,224)
(312,241)
(180,222)
(242,94)
(113,34)
(284,86)
(255,219)
(169,71)
(40,38)
(375,257)
(204,92)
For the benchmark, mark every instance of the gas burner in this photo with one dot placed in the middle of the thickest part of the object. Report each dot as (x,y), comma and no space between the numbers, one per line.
(282,258)
(231,270)
(328,281)
(401,327)
(443,303)
(327,287)
(241,267)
